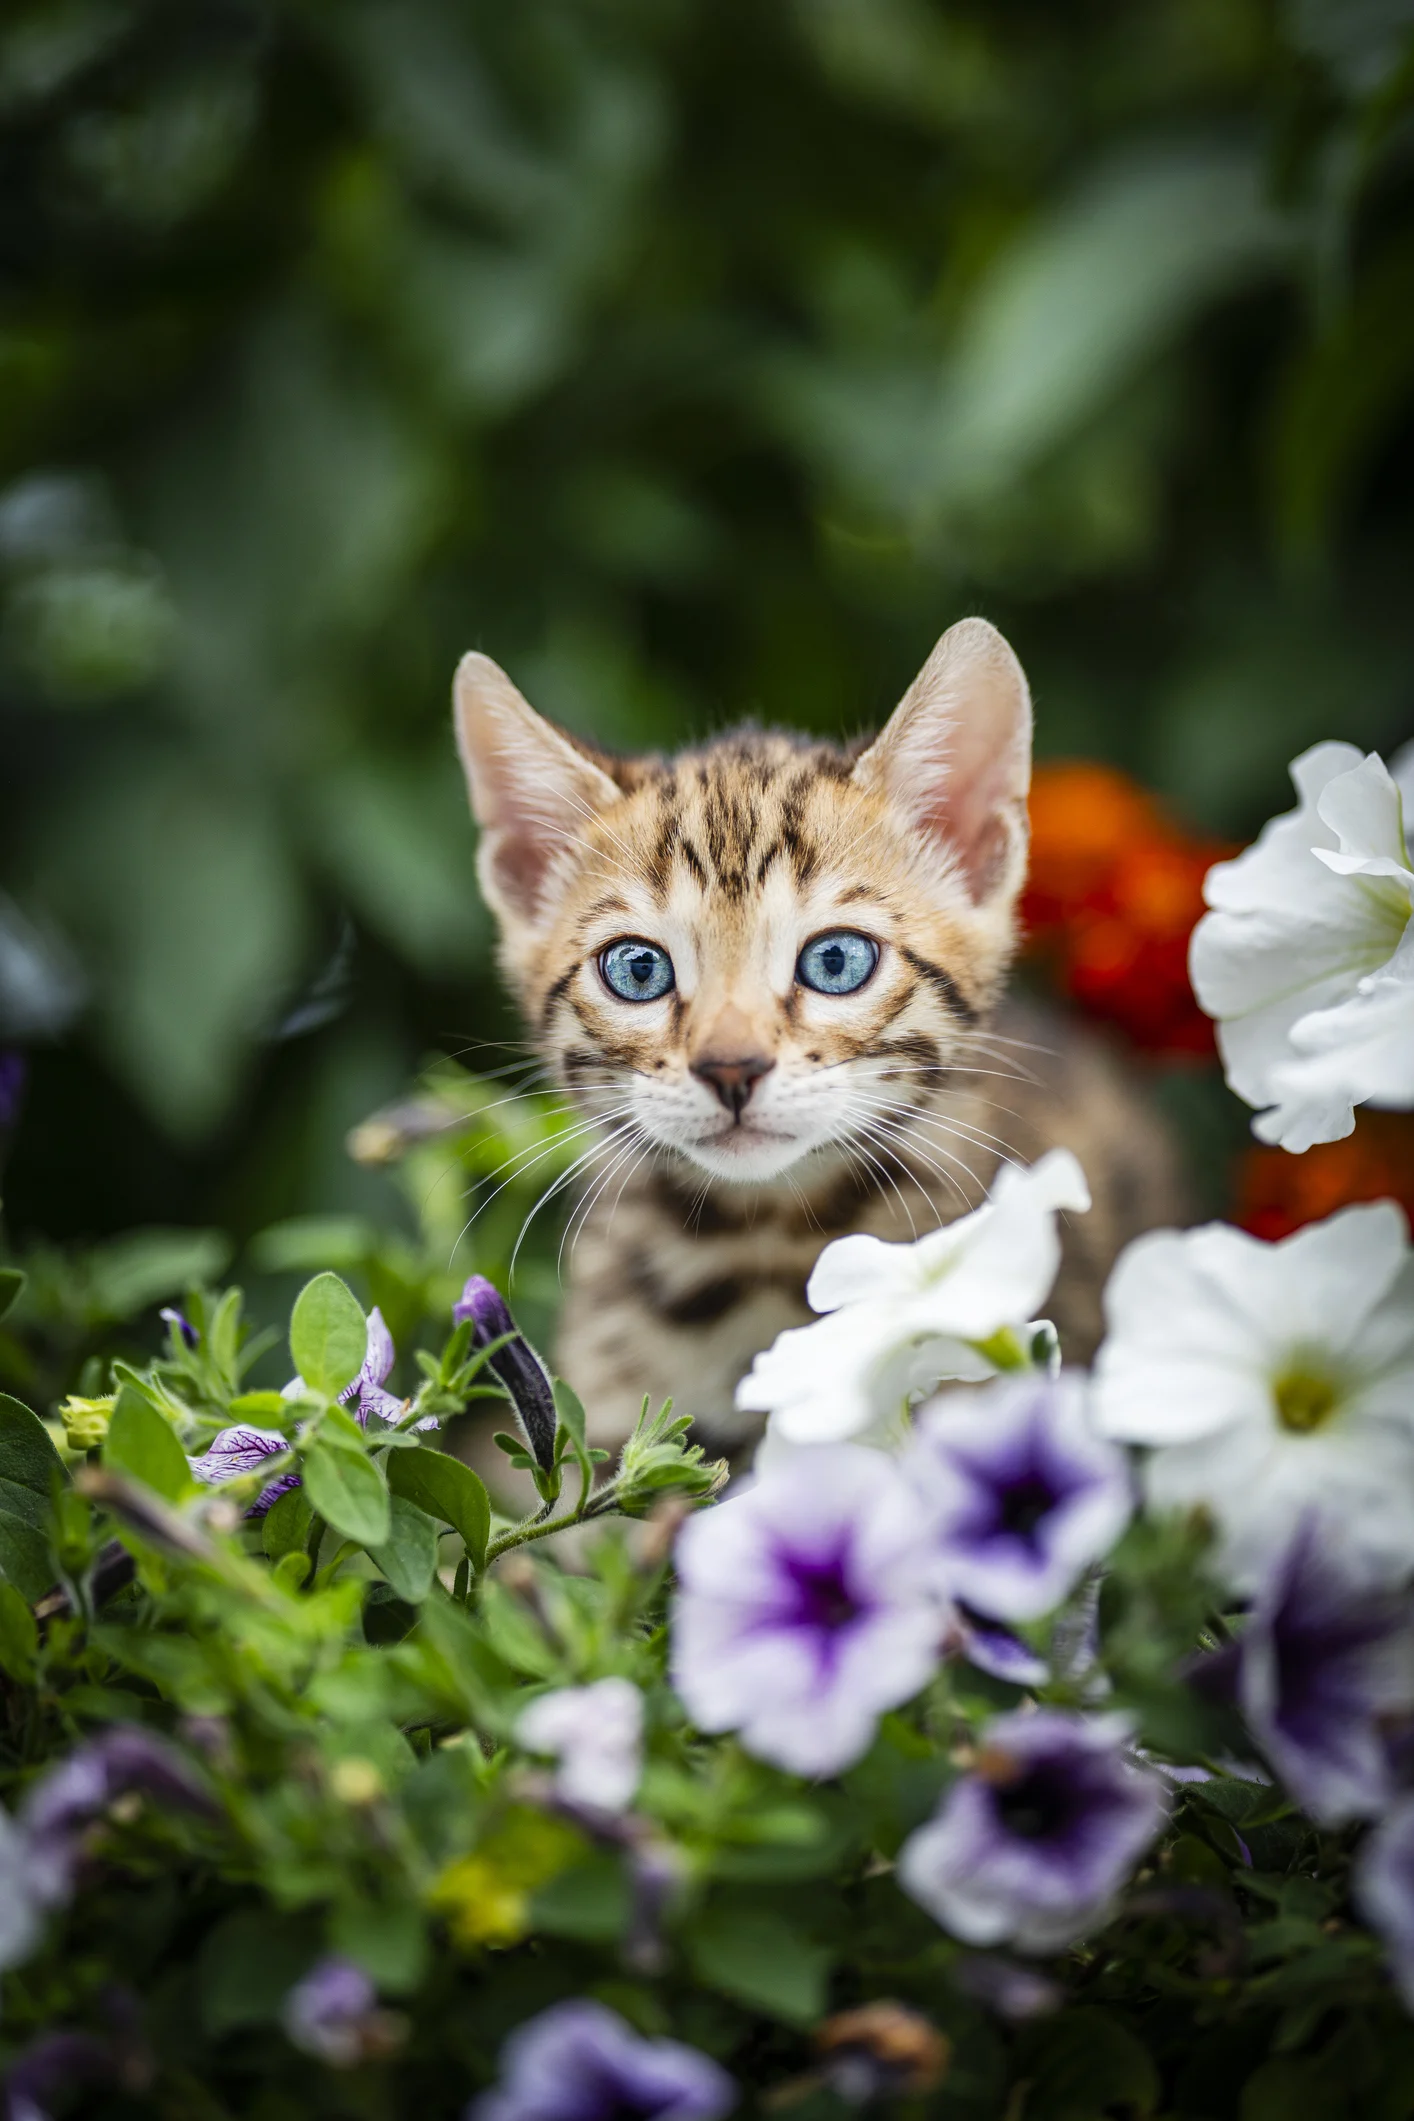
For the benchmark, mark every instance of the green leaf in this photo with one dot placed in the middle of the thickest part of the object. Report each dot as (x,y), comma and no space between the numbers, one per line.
(345,1490)
(1086,2062)
(757,1958)
(247,1966)
(141,1443)
(128,1273)
(328,1335)
(11,1283)
(591,1901)
(286,1524)
(389,1941)
(29,1468)
(19,1636)
(408,1557)
(448,1490)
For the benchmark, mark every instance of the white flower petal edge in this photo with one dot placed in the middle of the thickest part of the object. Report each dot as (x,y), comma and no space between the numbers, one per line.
(1305,958)
(902,1317)
(595,1733)
(1270,1378)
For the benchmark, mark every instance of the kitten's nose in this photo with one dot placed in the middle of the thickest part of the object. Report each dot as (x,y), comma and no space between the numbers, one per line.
(733,1080)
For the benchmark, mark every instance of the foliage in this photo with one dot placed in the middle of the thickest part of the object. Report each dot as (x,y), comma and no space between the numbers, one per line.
(345,1722)
(697,360)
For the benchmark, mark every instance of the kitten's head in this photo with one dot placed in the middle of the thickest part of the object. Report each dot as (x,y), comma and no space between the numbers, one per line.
(756,949)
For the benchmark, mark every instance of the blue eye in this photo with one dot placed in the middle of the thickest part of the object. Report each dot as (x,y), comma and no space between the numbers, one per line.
(636,972)
(837,963)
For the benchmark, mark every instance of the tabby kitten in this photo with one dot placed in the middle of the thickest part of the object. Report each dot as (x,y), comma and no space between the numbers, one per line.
(766,971)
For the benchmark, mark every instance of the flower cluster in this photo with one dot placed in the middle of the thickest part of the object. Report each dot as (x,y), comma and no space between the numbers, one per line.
(1306,956)
(244,1448)
(1115,890)
(831,1588)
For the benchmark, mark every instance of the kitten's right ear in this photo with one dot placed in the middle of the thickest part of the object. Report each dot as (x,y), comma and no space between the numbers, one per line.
(532,792)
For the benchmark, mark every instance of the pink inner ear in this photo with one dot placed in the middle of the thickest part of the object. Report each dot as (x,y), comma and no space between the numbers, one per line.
(956,757)
(519,860)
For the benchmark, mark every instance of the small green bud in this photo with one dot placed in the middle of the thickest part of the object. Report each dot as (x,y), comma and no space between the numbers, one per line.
(86,1421)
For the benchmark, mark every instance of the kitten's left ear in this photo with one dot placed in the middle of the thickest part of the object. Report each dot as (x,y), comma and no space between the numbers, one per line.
(955,758)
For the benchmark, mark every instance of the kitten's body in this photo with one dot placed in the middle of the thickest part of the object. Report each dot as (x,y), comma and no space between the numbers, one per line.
(746,1112)
(673,1289)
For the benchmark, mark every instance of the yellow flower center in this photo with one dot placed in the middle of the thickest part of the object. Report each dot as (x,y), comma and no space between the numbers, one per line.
(1304,1400)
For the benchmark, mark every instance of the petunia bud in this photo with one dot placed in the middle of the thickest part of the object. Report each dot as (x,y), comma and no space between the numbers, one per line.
(181,1327)
(516,1365)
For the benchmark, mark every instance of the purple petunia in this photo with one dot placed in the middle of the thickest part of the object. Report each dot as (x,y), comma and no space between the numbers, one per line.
(243,1448)
(181,1326)
(1032,1844)
(369,1388)
(580,2061)
(516,1365)
(806,1607)
(329,2012)
(1325,1663)
(1024,1494)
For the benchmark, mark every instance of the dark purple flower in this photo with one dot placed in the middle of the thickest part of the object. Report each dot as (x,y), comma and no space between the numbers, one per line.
(806,1607)
(50,2066)
(516,1365)
(1032,1844)
(330,2011)
(181,1326)
(994,1649)
(14,1071)
(1325,1662)
(580,2061)
(1384,1891)
(244,1449)
(1024,1494)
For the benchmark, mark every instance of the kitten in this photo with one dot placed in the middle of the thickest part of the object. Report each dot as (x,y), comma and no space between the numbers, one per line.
(767,972)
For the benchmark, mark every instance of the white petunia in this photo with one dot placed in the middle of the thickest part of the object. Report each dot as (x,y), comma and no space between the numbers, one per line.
(902,1317)
(1306,959)
(595,1734)
(1271,1378)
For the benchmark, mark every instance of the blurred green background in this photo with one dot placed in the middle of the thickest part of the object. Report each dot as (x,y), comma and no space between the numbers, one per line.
(696,358)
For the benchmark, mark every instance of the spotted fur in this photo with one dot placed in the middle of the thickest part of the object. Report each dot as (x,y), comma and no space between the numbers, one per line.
(734,1125)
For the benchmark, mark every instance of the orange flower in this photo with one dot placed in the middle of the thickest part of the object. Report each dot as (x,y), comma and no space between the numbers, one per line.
(1114,893)
(1278,1193)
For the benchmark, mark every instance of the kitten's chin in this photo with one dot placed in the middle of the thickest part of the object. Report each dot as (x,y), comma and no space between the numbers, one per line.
(746,1154)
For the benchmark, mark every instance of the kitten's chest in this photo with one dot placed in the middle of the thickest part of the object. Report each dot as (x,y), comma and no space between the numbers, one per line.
(672,1293)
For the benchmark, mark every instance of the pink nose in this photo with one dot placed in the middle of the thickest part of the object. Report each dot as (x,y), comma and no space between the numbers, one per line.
(733,1080)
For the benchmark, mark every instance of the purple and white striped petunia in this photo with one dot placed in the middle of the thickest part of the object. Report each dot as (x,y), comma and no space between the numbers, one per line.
(580,2061)
(368,1389)
(244,1449)
(1023,1492)
(1031,1846)
(805,1608)
(1326,1663)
